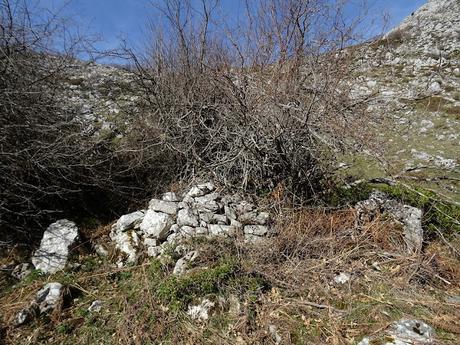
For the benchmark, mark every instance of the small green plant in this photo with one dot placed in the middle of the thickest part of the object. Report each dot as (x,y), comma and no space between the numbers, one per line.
(64,328)
(178,292)
(343,196)
(224,277)
(437,214)
(32,276)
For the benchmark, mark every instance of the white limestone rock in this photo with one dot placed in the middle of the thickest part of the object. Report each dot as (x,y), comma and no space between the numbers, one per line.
(168,207)
(24,316)
(186,231)
(153,252)
(127,243)
(435,87)
(253,239)
(184,263)
(54,247)
(100,250)
(156,224)
(212,218)
(410,217)
(201,311)
(207,203)
(342,278)
(170,196)
(185,217)
(200,190)
(244,207)
(22,270)
(404,332)
(222,230)
(129,221)
(253,217)
(49,297)
(95,307)
(257,230)
(230,212)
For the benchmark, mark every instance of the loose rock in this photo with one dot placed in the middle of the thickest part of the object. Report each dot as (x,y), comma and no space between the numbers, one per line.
(411,217)
(183,263)
(258,230)
(21,271)
(95,307)
(170,196)
(185,217)
(54,247)
(129,221)
(201,311)
(156,224)
(49,297)
(404,332)
(342,278)
(169,207)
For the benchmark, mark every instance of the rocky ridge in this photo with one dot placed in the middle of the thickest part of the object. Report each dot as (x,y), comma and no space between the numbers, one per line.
(412,76)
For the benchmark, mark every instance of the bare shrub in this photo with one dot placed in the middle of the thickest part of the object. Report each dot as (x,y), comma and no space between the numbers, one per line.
(254,104)
(50,166)
(396,37)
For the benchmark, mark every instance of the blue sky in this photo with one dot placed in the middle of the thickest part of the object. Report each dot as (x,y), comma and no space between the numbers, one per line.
(112,20)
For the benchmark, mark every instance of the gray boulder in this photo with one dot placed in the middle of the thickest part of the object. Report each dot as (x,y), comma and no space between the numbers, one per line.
(156,224)
(185,217)
(169,207)
(129,221)
(258,230)
(54,247)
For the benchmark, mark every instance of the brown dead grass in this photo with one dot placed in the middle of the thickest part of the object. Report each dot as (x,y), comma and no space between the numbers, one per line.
(303,302)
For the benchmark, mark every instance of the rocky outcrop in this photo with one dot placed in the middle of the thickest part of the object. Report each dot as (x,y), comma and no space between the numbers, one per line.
(58,238)
(201,211)
(410,217)
(403,332)
(412,80)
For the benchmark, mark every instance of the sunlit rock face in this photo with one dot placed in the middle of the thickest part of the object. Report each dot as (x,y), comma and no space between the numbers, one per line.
(57,240)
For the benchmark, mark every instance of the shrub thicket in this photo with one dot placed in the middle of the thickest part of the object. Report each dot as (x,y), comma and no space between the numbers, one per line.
(265,101)
(254,104)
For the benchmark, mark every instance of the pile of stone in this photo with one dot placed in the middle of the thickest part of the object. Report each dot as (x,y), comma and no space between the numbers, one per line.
(410,217)
(201,211)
